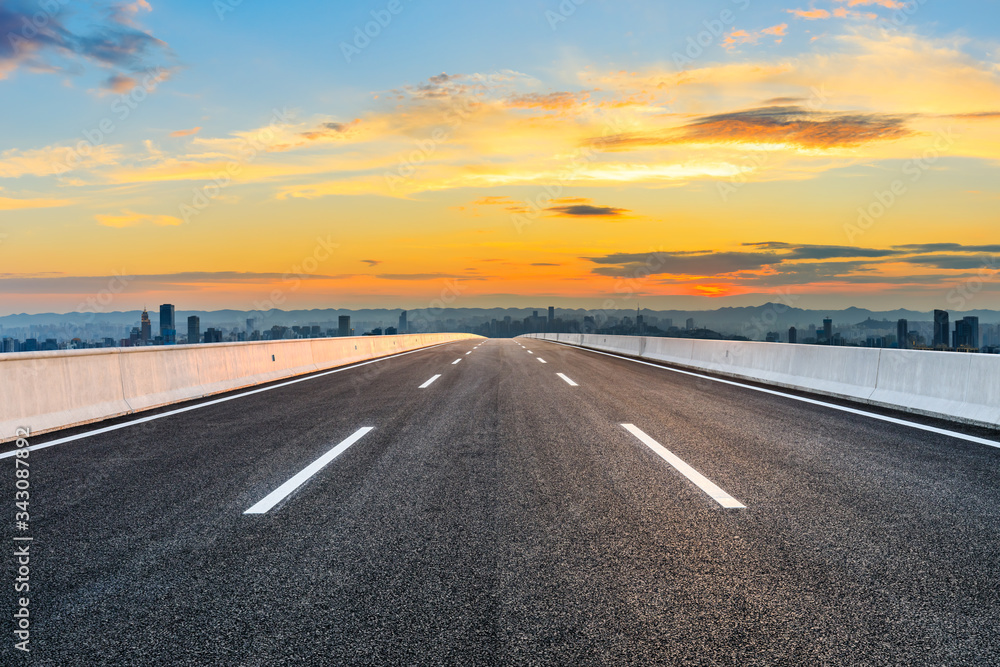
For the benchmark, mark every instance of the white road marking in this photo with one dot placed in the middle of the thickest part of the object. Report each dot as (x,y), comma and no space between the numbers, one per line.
(430,382)
(703,483)
(568,381)
(280,493)
(188,408)
(541,360)
(469,352)
(530,352)
(803,399)
(455,362)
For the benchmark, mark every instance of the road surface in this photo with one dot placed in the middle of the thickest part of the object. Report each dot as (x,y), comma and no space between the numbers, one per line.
(533,504)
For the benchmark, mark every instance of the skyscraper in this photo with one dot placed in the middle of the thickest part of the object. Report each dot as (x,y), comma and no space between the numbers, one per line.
(194,330)
(552,315)
(941,332)
(402,323)
(902,334)
(973,323)
(168,329)
(690,324)
(966,333)
(344,322)
(828,330)
(251,326)
(145,328)
(793,335)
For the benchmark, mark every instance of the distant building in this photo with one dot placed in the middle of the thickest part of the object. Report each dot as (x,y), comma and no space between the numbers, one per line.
(941,329)
(145,328)
(793,335)
(402,323)
(194,329)
(344,328)
(213,335)
(772,337)
(690,324)
(251,326)
(903,334)
(828,330)
(966,333)
(168,329)
(552,315)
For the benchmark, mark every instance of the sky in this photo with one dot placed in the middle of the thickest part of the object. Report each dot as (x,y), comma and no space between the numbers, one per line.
(582,153)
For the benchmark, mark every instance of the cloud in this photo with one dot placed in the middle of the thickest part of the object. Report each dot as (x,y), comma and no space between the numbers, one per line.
(948,247)
(52,160)
(953,261)
(42,41)
(10,204)
(810,14)
(704,263)
(549,101)
(120,83)
(504,202)
(372,262)
(738,37)
(544,264)
(331,130)
(132,219)
(776,263)
(413,276)
(167,282)
(776,125)
(186,133)
(790,251)
(586,211)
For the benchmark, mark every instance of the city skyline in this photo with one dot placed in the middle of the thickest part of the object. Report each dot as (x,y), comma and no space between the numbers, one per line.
(762,324)
(696,156)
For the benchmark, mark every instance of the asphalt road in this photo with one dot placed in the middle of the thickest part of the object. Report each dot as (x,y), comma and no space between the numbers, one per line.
(502,516)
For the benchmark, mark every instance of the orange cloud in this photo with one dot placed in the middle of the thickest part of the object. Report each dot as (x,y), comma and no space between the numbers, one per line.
(810,14)
(737,37)
(550,102)
(119,83)
(131,219)
(779,30)
(185,133)
(331,130)
(9,204)
(776,125)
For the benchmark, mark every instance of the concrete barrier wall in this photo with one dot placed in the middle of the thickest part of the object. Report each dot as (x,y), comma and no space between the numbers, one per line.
(958,387)
(46,391)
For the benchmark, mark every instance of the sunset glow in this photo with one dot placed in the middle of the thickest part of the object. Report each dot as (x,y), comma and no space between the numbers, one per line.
(216,157)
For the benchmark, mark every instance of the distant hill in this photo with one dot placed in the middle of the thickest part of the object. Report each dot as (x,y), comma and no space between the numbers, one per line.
(769,316)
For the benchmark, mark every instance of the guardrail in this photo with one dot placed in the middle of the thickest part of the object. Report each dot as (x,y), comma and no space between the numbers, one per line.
(47,391)
(948,385)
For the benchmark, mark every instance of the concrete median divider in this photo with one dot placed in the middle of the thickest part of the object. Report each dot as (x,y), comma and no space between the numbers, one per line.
(946,385)
(46,391)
